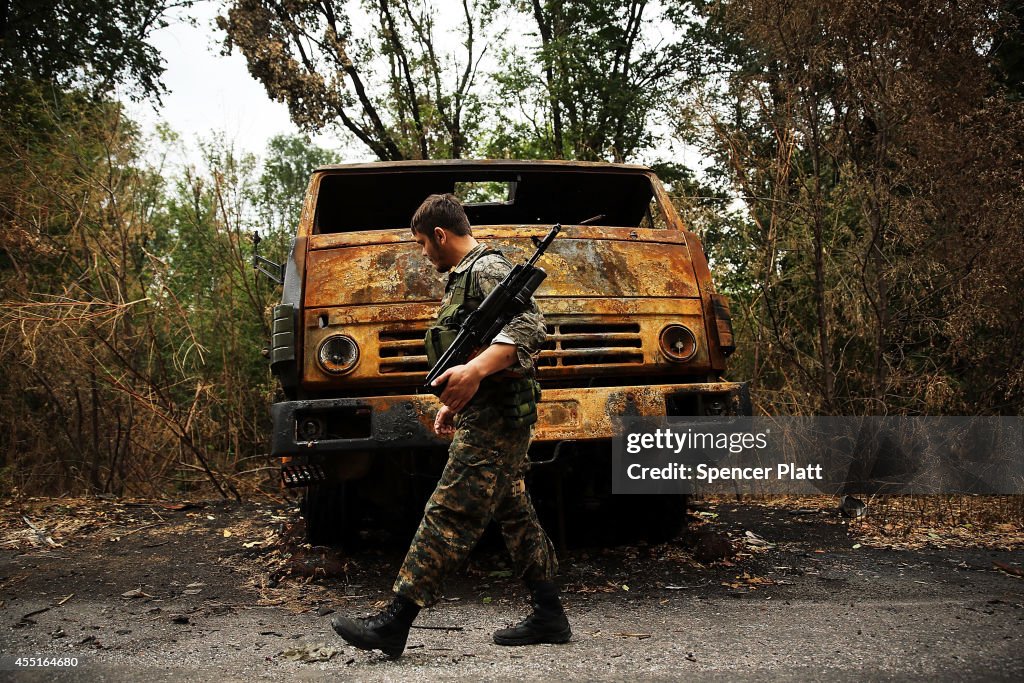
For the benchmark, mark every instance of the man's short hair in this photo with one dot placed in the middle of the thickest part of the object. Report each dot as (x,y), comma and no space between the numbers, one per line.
(441,211)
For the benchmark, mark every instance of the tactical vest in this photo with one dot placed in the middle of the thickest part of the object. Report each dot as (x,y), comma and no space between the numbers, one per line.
(518,396)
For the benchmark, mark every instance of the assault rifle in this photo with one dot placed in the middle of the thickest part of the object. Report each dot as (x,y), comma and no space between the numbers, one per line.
(507,300)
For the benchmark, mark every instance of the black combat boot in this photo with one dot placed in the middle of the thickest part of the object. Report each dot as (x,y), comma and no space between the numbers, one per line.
(546,624)
(386,631)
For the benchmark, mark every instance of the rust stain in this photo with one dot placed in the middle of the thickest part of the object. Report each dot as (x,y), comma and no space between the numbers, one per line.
(372,274)
(609,293)
(562,414)
(392,353)
(578,414)
(383,274)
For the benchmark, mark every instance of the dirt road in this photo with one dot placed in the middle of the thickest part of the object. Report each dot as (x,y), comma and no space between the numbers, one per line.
(220,591)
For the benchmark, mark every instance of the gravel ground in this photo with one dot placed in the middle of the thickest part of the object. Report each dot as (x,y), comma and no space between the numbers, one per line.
(179,596)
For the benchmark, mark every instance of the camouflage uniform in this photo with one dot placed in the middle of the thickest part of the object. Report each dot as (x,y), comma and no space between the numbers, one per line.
(483,478)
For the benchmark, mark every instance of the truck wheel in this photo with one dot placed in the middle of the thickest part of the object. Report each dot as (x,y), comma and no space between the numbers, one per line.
(666,515)
(325,508)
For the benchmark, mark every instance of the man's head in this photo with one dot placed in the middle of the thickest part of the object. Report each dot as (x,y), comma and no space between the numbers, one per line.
(442,230)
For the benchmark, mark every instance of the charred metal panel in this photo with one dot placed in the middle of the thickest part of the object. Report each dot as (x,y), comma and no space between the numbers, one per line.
(605,268)
(723,323)
(614,337)
(665,205)
(395,422)
(382,274)
(703,273)
(487,232)
(610,293)
(379,274)
(578,414)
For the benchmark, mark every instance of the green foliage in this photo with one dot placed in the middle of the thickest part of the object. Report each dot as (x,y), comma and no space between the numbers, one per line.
(871,151)
(131,320)
(588,90)
(93,44)
(290,159)
(396,91)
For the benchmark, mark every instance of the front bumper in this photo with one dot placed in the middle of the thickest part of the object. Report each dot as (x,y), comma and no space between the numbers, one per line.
(346,425)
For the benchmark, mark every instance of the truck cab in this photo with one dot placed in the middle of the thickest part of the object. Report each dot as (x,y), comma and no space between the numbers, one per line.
(634,324)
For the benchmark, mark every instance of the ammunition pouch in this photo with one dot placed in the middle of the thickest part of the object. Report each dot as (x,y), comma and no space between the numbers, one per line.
(519,399)
(437,341)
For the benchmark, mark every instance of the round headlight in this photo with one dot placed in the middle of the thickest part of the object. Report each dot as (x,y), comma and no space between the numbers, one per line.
(338,354)
(678,343)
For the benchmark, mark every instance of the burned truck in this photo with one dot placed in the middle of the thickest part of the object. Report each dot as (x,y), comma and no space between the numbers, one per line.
(634,328)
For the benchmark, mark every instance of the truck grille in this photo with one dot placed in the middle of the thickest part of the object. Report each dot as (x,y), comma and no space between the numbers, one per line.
(402,351)
(592,344)
(568,344)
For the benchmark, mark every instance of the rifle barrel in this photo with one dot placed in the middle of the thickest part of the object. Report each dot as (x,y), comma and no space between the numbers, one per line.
(544,244)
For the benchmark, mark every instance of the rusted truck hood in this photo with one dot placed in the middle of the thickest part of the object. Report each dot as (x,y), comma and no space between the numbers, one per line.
(584,262)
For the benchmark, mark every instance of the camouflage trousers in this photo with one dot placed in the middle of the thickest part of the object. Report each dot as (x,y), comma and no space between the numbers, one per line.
(482,480)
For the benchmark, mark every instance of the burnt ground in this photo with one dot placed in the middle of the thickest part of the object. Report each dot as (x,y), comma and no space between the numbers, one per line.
(224,591)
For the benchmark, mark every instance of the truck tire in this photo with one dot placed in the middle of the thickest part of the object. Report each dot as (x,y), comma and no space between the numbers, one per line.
(325,508)
(666,515)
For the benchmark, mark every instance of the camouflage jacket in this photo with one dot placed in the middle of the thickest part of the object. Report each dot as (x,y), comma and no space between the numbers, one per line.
(526,330)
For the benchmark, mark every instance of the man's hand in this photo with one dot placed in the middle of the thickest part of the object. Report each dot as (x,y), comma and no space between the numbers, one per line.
(444,423)
(460,384)
(464,380)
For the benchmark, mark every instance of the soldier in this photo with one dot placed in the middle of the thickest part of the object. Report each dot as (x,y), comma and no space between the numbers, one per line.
(489,406)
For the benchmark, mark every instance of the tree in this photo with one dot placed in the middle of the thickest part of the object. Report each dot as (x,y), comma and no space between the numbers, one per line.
(588,88)
(95,44)
(290,159)
(395,91)
(130,318)
(879,161)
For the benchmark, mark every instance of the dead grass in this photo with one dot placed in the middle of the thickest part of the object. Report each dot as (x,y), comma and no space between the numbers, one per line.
(911,522)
